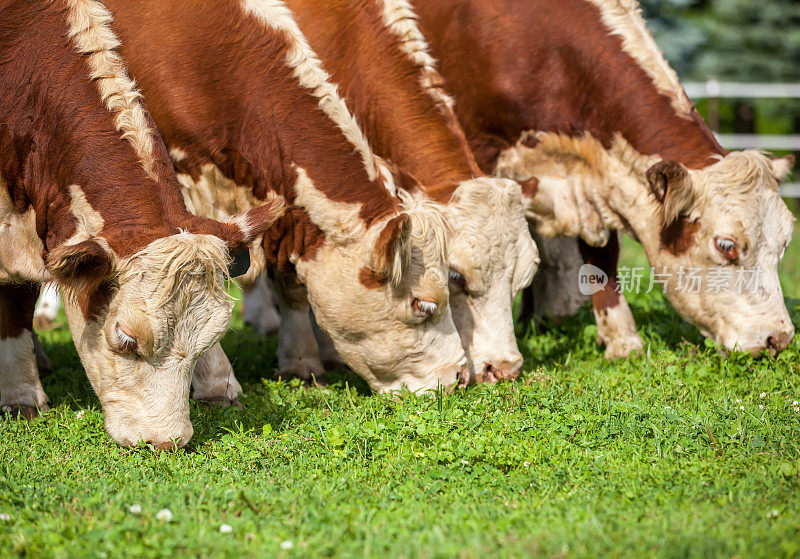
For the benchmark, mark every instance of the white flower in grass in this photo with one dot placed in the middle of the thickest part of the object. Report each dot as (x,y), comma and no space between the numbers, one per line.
(763,394)
(465,462)
(738,401)
(135,509)
(741,408)
(795,404)
(79,415)
(761,406)
(287,544)
(526,464)
(226,528)
(5,517)
(164,515)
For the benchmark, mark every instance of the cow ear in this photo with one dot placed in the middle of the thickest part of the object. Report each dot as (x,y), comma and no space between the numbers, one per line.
(242,229)
(782,167)
(390,254)
(81,268)
(671,185)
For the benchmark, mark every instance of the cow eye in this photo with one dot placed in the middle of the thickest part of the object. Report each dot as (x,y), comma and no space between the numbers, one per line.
(727,247)
(125,342)
(424,308)
(458,284)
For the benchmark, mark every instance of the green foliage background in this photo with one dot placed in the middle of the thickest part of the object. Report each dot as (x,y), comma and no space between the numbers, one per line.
(678,452)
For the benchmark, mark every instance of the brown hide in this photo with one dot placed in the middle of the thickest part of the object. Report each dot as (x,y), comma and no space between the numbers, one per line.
(218,87)
(381,85)
(55,132)
(17,302)
(519,65)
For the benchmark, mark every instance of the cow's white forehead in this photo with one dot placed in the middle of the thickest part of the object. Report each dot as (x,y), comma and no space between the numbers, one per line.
(175,266)
(487,220)
(741,189)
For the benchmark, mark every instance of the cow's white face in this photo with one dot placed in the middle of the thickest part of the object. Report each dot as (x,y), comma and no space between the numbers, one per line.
(165,308)
(491,257)
(383,299)
(730,226)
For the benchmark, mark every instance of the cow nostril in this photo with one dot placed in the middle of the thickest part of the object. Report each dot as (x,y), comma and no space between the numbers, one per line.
(504,370)
(777,343)
(463,377)
(168,445)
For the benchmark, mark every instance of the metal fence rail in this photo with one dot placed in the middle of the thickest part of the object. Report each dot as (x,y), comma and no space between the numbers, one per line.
(760,141)
(713,89)
(738,90)
(791,190)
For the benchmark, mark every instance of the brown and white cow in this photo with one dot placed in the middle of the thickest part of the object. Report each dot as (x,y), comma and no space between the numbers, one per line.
(89,199)
(574,99)
(243,103)
(377,55)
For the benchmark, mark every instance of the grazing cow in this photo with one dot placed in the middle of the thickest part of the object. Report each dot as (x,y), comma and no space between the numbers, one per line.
(244,105)
(376,54)
(89,199)
(574,100)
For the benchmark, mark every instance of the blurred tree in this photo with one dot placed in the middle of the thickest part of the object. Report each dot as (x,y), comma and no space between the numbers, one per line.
(678,36)
(748,40)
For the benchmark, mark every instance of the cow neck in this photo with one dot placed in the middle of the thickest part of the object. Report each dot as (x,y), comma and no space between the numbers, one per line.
(624,96)
(557,67)
(62,152)
(248,113)
(395,99)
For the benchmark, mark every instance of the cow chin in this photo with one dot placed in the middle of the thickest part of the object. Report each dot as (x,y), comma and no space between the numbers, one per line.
(373,328)
(436,359)
(145,399)
(738,323)
(488,337)
(768,334)
(141,402)
(128,421)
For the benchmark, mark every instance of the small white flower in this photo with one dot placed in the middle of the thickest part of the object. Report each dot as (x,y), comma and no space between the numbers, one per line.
(164,515)
(5,517)
(135,509)
(741,408)
(773,513)
(79,415)
(763,394)
(226,528)
(466,463)
(526,464)
(761,406)
(738,401)
(287,544)
(795,403)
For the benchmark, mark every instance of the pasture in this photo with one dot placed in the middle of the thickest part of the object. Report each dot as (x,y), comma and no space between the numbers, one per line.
(678,452)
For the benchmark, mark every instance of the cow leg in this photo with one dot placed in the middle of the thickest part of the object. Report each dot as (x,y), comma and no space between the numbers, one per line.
(298,353)
(47,307)
(526,315)
(615,325)
(327,353)
(555,289)
(213,381)
(21,390)
(259,307)
(43,362)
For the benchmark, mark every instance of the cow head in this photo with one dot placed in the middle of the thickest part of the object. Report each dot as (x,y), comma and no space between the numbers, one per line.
(381,294)
(728,225)
(141,323)
(491,257)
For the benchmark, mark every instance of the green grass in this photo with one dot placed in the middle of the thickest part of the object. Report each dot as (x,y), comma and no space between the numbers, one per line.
(675,453)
